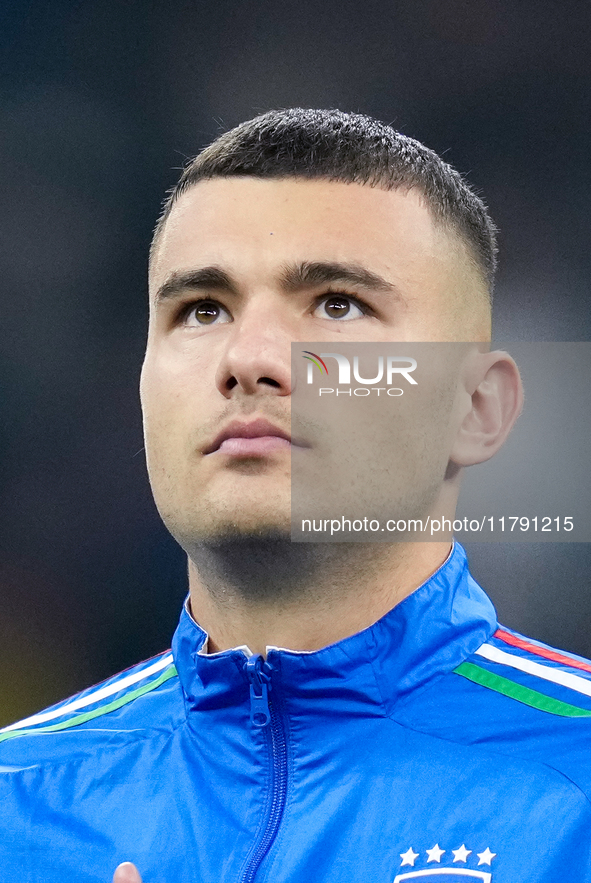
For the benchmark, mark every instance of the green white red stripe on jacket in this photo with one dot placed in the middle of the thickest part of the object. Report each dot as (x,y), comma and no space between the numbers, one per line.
(531,673)
(99,700)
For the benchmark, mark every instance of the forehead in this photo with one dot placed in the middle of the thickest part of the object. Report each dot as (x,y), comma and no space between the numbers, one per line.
(259,225)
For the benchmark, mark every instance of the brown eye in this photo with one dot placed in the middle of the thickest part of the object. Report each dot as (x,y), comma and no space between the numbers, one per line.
(336,307)
(339,306)
(206,312)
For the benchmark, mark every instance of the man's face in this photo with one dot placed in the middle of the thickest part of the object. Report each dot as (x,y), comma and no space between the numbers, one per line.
(243,268)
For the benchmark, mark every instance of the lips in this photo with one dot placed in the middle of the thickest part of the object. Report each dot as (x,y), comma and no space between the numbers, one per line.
(256,436)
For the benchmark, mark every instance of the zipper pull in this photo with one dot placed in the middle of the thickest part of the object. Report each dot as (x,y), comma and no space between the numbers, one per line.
(259,675)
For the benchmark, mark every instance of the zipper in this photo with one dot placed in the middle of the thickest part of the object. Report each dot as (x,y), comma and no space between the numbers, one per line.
(264,715)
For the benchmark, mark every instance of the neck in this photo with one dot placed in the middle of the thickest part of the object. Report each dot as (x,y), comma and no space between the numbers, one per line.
(301,596)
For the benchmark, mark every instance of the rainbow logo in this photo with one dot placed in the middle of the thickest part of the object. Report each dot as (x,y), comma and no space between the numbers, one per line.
(316,360)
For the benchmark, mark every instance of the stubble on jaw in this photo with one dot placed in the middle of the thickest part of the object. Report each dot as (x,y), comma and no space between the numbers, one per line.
(269,570)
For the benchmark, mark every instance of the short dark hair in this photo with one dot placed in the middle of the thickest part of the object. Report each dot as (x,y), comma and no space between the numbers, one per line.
(350,148)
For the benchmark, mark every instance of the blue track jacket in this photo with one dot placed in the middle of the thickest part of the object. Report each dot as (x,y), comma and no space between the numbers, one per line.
(433,746)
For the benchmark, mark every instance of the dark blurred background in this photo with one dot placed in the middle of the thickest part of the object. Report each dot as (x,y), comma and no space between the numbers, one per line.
(101,104)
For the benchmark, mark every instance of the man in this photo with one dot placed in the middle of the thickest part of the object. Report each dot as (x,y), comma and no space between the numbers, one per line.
(398,733)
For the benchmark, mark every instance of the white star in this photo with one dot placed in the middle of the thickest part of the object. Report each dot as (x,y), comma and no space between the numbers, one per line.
(485,857)
(409,857)
(435,854)
(461,854)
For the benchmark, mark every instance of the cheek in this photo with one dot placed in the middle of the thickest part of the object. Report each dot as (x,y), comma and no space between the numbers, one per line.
(171,399)
(175,376)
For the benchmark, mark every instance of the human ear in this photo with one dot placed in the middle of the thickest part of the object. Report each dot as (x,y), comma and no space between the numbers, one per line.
(491,402)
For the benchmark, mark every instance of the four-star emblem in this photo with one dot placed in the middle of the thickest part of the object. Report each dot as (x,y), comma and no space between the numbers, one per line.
(434,855)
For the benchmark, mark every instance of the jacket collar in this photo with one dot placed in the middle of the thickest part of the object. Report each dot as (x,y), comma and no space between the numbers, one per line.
(428,634)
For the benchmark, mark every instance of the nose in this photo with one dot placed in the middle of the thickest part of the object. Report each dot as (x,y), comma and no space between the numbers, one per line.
(257,356)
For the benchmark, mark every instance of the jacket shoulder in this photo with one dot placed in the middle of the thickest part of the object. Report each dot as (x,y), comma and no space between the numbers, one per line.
(520,697)
(145,697)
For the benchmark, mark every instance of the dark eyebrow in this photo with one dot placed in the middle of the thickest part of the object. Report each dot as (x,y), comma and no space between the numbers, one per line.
(310,274)
(204,279)
(295,277)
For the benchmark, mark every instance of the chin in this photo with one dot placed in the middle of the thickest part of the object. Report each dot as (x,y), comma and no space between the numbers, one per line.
(245,512)
(211,527)
(244,530)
